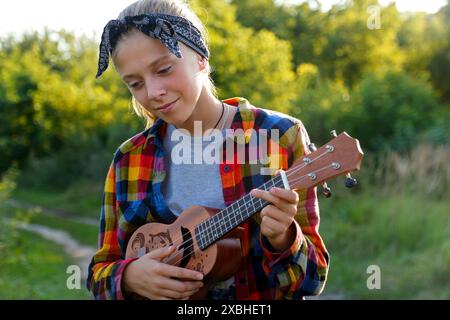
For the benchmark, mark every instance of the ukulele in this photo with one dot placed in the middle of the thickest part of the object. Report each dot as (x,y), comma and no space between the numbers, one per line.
(208,240)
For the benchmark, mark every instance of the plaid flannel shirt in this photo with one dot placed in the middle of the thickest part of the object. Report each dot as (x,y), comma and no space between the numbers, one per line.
(133,197)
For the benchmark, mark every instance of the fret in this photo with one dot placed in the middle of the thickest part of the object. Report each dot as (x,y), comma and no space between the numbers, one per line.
(241,209)
(249,208)
(199,235)
(207,232)
(238,213)
(234,211)
(234,207)
(232,216)
(204,234)
(218,224)
(214,226)
(228,224)
(254,206)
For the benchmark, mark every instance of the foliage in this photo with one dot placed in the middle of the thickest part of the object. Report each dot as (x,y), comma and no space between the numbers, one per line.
(250,63)
(406,236)
(388,86)
(390,111)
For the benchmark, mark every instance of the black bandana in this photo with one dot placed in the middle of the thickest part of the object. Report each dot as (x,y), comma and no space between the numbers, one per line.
(167,28)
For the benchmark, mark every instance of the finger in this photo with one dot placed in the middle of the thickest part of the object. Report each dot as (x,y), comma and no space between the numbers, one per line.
(276,214)
(270,227)
(159,298)
(178,285)
(181,273)
(171,294)
(281,204)
(161,253)
(288,195)
(266,195)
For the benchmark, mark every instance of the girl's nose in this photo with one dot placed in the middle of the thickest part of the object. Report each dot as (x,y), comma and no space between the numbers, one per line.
(155,90)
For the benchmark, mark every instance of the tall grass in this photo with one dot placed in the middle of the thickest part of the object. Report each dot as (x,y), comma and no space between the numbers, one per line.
(424,170)
(396,219)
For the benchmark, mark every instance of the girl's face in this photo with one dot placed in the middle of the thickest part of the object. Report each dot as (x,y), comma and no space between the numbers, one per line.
(156,77)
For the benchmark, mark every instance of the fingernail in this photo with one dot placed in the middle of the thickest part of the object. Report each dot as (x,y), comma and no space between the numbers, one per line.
(199,276)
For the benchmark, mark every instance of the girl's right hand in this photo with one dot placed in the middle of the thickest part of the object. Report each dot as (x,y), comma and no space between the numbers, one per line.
(153,279)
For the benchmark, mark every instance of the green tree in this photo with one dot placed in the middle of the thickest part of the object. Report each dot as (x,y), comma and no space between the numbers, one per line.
(353,49)
(320,103)
(255,65)
(392,111)
(48,93)
(439,65)
(299,23)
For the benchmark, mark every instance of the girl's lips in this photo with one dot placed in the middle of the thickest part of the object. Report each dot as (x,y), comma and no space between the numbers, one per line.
(168,107)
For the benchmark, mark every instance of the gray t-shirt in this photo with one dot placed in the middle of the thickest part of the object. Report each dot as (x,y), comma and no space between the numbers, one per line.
(194,179)
(191,178)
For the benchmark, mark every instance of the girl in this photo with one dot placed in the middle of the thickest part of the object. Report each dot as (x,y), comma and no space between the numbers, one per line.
(159,49)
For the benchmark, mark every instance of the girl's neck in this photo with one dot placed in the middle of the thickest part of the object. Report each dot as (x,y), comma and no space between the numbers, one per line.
(207,111)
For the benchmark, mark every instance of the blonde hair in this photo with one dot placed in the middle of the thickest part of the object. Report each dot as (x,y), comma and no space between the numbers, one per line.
(172,7)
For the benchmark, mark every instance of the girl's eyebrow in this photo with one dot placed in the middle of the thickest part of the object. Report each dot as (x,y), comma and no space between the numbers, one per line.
(150,65)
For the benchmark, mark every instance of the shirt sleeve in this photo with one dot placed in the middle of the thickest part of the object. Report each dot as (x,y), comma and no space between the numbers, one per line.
(302,269)
(107,265)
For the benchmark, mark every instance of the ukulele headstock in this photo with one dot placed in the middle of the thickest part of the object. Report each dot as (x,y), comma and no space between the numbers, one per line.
(339,156)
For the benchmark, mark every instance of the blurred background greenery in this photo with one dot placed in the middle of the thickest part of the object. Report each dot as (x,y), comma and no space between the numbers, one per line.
(388,86)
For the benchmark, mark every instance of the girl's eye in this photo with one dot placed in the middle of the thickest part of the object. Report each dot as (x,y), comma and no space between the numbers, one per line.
(165,70)
(135,85)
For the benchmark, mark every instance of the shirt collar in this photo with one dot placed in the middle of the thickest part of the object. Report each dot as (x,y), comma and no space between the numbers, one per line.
(243,119)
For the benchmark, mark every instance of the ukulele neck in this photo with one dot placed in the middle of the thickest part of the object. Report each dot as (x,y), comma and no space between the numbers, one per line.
(213,228)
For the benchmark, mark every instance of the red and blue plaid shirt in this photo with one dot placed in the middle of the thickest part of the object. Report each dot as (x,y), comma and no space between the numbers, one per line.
(133,197)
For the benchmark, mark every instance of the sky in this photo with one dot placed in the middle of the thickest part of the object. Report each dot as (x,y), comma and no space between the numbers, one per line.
(90,16)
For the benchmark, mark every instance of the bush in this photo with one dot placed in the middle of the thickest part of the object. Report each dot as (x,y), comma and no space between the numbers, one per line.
(392,111)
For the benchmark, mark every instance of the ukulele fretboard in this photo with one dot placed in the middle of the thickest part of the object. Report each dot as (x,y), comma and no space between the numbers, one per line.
(213,228)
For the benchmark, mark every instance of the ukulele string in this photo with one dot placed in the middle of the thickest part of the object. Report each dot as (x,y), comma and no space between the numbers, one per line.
(210,228)
(192,245)
(288,173)
(318,170)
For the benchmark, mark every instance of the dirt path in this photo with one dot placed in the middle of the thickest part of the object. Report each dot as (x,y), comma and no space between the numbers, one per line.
(81,254)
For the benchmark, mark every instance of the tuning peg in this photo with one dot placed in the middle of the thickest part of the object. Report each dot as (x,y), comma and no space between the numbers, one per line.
(350,182)
(333,133)
(326,190)
(312,147)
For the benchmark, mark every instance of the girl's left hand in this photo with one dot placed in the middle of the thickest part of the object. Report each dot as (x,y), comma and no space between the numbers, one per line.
(277,217)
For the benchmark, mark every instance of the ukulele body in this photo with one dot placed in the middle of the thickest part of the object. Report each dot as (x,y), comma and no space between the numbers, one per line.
(217,262)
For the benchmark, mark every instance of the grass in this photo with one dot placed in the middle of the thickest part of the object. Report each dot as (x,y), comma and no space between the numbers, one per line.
(406,236)
(83,233)
(33,268)
(81,199)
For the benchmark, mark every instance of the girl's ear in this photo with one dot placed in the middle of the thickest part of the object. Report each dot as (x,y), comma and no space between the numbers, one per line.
(203,63)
